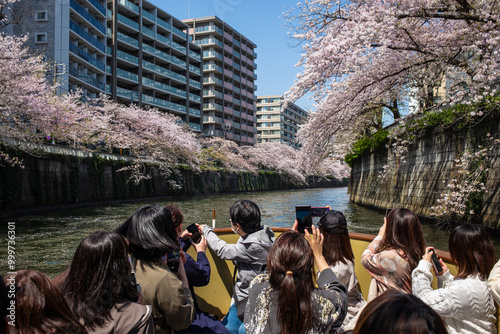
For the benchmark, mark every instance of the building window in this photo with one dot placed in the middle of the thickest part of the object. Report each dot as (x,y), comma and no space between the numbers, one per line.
(41,38)
(41,15)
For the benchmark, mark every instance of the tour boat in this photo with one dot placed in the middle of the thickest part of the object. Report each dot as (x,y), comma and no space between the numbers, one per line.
(216,296)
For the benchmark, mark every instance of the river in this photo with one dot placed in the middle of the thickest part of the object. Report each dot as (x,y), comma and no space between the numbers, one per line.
(47,242)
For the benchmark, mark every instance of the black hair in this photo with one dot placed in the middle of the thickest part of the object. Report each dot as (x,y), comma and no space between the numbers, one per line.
(150,232)
(395,312)
(98,278)
(247,214)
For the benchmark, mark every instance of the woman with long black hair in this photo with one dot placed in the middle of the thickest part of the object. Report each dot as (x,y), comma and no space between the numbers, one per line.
(152,239)
(285,299)
(100,290)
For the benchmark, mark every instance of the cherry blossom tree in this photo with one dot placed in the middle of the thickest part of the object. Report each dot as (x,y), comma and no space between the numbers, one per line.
(278,157)
(364,57)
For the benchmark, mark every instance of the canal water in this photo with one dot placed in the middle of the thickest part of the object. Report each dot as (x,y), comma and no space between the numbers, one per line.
(47,242)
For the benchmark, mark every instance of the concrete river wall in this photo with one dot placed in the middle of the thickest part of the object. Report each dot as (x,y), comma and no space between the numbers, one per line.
(423,175)
(61,179)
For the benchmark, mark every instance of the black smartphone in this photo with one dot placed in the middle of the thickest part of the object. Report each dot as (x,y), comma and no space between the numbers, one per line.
(303,214)
(438,269)
(319,211)
(173,261)
(193,229)
(387,211)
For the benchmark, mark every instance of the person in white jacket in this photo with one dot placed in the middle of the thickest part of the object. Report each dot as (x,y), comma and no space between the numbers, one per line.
(494,282)
(464,301)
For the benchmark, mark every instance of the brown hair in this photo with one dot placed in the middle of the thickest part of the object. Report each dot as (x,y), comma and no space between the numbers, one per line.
(177,216)
(472,250)
(40,307)
(289,263)
(403,231)
(337,247)
(395,312)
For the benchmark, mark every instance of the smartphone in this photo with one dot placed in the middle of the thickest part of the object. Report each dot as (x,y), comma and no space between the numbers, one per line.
(193,229)
(387,211)
(303,214)
(173,261)
(438,269)
(319,211)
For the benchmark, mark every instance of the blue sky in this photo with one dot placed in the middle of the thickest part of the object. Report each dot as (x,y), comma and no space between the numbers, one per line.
(261,22)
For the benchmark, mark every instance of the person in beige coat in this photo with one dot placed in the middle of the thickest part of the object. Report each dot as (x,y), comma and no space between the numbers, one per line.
(163,283)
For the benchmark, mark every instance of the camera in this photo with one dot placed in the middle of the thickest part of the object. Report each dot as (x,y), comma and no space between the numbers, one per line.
(438,269)
(195,233)
(303,214)
(173,261)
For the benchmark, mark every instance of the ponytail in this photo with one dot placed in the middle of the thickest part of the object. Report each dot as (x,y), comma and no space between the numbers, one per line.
(294,288)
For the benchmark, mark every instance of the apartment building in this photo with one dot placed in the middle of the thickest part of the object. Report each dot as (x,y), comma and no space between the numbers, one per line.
(130,49)
(228,80)
(277,122)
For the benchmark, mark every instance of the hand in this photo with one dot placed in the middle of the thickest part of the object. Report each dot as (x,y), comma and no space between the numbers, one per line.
(186,234)
(428,257)
(428,254)
(381,232)
(201,246)
(315,240)
(202,226)
(295,226)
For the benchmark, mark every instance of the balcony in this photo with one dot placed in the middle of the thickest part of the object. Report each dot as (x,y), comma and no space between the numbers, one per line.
(148,32)
(194,98)
(163,39)
(163,87)
(87,57)
(194,69)
(164,71)
(148,15)
(164,24)
(73,71)
(127,75)
(194,112)
(127,39)
(162,103)
(164,55)
(127,57)
(194,83)
(86,36)
(179,47)
(212,119)
(179,32)
(129,5)
(194,55)
(209,54)
(210,106)
(98,6)
(194,126)
(128,94)
(87,16)
(128,22)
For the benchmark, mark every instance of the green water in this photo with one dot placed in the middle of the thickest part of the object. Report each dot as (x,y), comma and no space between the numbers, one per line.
(47,242)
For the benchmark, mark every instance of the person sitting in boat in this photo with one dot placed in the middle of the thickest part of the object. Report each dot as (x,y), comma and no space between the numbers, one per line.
(198,274)
(39,307)
(396,312)
(338,253)
(151,235)
(285,299)
(249,254)
(494,282)
(464,301)
(99,290)
(394,253)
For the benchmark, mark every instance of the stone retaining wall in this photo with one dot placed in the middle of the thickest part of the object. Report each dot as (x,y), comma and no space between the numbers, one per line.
(423,176)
